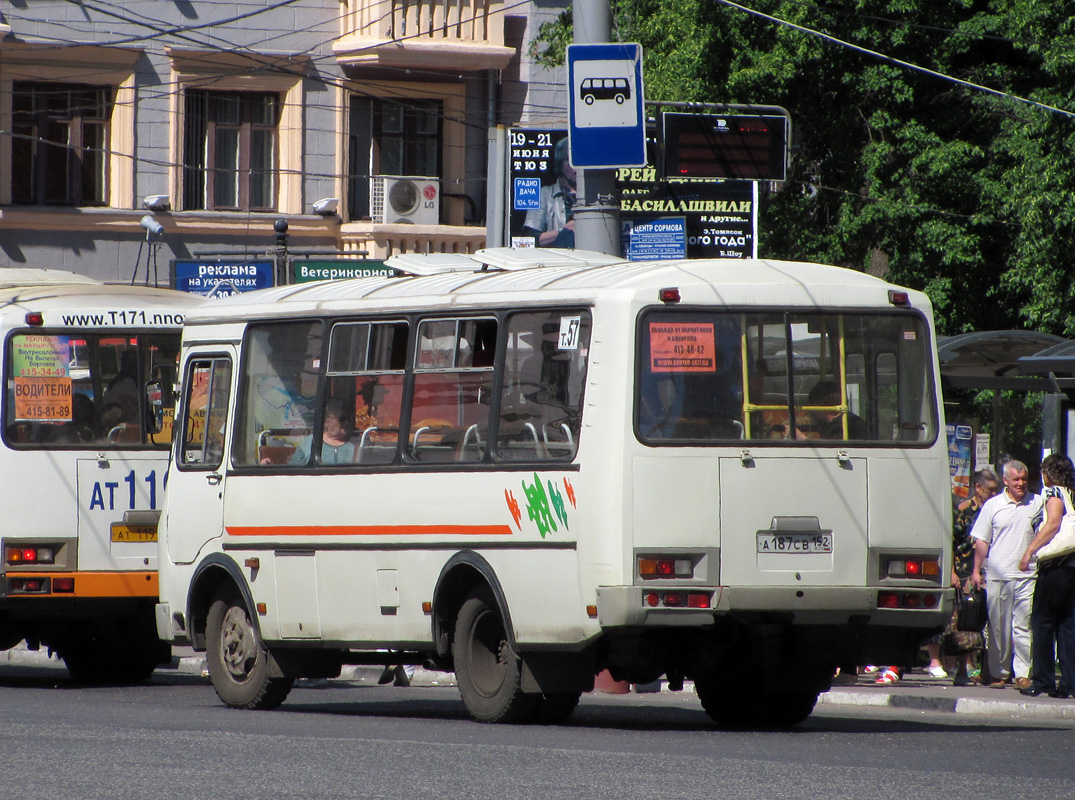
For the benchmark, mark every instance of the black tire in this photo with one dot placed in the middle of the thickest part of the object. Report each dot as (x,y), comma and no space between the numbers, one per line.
(555,707)
(487,668)
(736,707)
(123,654)
(238,661)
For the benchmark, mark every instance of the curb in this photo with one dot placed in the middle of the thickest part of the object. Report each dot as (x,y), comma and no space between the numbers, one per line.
(1035,709)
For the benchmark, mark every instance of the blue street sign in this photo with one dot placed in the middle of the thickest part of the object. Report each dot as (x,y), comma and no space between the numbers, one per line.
(527,194)
(221,277)
(607,125)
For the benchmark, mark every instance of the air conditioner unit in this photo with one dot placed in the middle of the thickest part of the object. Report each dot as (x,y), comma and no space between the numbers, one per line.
(398,199)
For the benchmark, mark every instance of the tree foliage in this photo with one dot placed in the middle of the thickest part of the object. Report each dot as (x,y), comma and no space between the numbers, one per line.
(964,193)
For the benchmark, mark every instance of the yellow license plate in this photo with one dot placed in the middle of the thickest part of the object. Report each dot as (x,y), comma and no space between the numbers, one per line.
(134,533)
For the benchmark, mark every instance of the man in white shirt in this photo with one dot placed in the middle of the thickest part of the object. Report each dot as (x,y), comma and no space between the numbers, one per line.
(1003,530)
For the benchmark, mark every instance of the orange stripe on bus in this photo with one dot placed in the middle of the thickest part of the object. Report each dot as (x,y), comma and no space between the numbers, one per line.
(95,584)
(371,530)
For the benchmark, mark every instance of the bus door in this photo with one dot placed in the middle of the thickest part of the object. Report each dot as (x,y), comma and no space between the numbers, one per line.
(793,520)
(119,499)
(197,483)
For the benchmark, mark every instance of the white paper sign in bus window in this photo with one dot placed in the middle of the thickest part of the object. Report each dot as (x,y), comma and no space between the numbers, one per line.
(682,347)
(41,367)
(569,333)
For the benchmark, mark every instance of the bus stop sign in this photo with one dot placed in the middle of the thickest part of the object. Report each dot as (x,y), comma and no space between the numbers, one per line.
(607,125)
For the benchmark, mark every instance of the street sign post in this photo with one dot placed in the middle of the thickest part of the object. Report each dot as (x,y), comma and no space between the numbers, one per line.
(607,125)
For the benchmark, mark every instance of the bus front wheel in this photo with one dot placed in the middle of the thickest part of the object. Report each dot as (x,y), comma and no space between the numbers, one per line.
(238,661)
(487,668)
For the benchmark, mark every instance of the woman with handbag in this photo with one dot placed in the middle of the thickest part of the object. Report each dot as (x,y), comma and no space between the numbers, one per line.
(1052,617)
(964,642)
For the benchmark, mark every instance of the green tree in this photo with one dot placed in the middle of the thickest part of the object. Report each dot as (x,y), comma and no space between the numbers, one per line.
(963,193)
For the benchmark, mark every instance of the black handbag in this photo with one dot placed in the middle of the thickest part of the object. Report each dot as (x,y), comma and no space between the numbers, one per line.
(971,613)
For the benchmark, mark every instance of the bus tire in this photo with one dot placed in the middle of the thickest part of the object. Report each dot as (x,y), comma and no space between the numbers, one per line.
(737,707)
(555,707)
(123,654)
(238,661)
(487,668)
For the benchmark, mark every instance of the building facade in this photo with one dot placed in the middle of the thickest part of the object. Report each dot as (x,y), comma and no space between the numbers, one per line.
(216,120)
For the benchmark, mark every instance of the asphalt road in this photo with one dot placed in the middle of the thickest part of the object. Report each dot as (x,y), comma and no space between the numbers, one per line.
(172,738)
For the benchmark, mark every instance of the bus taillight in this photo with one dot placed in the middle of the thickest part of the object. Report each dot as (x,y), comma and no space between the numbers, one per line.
(911,600)
(678,599)
(36,554)
(649,568)
(913,567)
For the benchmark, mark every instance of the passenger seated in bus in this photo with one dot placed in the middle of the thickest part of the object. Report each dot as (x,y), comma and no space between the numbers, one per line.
(336,444)
(123,388)
(828,423)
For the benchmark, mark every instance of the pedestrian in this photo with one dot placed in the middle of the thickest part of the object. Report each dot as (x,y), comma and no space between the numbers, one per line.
(1002,532)
(965,645)
(1052,620)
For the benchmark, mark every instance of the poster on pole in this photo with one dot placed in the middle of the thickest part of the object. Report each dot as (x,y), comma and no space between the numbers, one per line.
(719,216)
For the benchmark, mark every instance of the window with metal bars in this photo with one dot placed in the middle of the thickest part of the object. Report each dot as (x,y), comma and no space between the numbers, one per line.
(230,150)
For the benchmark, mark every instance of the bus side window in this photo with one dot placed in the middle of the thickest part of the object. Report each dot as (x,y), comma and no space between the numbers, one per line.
(279,389)
(366,368)
(452,388)
(543,378)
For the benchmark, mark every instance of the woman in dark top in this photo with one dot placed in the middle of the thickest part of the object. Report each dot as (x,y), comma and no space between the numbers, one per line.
(1052,618)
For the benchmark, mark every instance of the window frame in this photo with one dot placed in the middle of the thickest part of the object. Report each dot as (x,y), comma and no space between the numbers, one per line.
(200,181)
(40,167)
(213,359)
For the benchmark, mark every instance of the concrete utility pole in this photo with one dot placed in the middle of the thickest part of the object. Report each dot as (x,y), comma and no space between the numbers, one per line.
(597,212)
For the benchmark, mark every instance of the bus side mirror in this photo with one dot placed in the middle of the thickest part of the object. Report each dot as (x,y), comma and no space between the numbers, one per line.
(155,403)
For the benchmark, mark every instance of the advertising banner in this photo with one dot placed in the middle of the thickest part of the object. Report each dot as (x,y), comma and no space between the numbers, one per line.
(959,458)
(719,217)
(221,277)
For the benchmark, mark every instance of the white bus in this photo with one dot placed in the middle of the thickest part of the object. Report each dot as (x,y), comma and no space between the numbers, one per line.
(724,471)
(89,372)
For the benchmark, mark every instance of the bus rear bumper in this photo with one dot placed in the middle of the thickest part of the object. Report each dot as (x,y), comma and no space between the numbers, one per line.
(627,606)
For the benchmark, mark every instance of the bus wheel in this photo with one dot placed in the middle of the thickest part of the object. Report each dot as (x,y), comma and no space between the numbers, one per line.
(102,655)
(238,661)
(732,707)
(555,707)
(487,669)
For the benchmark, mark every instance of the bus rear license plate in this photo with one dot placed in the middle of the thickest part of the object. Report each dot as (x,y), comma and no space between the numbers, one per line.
(134,533)
(795,543)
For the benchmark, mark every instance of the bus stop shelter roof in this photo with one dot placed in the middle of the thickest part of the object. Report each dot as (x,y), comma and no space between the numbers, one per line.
(997,360)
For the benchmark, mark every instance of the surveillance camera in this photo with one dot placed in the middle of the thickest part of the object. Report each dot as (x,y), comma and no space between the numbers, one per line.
(327,206)
(157,202)
(151,225)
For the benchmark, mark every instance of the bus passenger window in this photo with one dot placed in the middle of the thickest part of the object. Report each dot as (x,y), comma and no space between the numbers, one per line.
(278,391)
(452,388)
(366,369)
(541,396)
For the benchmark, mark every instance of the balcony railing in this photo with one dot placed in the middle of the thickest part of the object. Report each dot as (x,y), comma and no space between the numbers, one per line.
(469,33)
(381,241)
